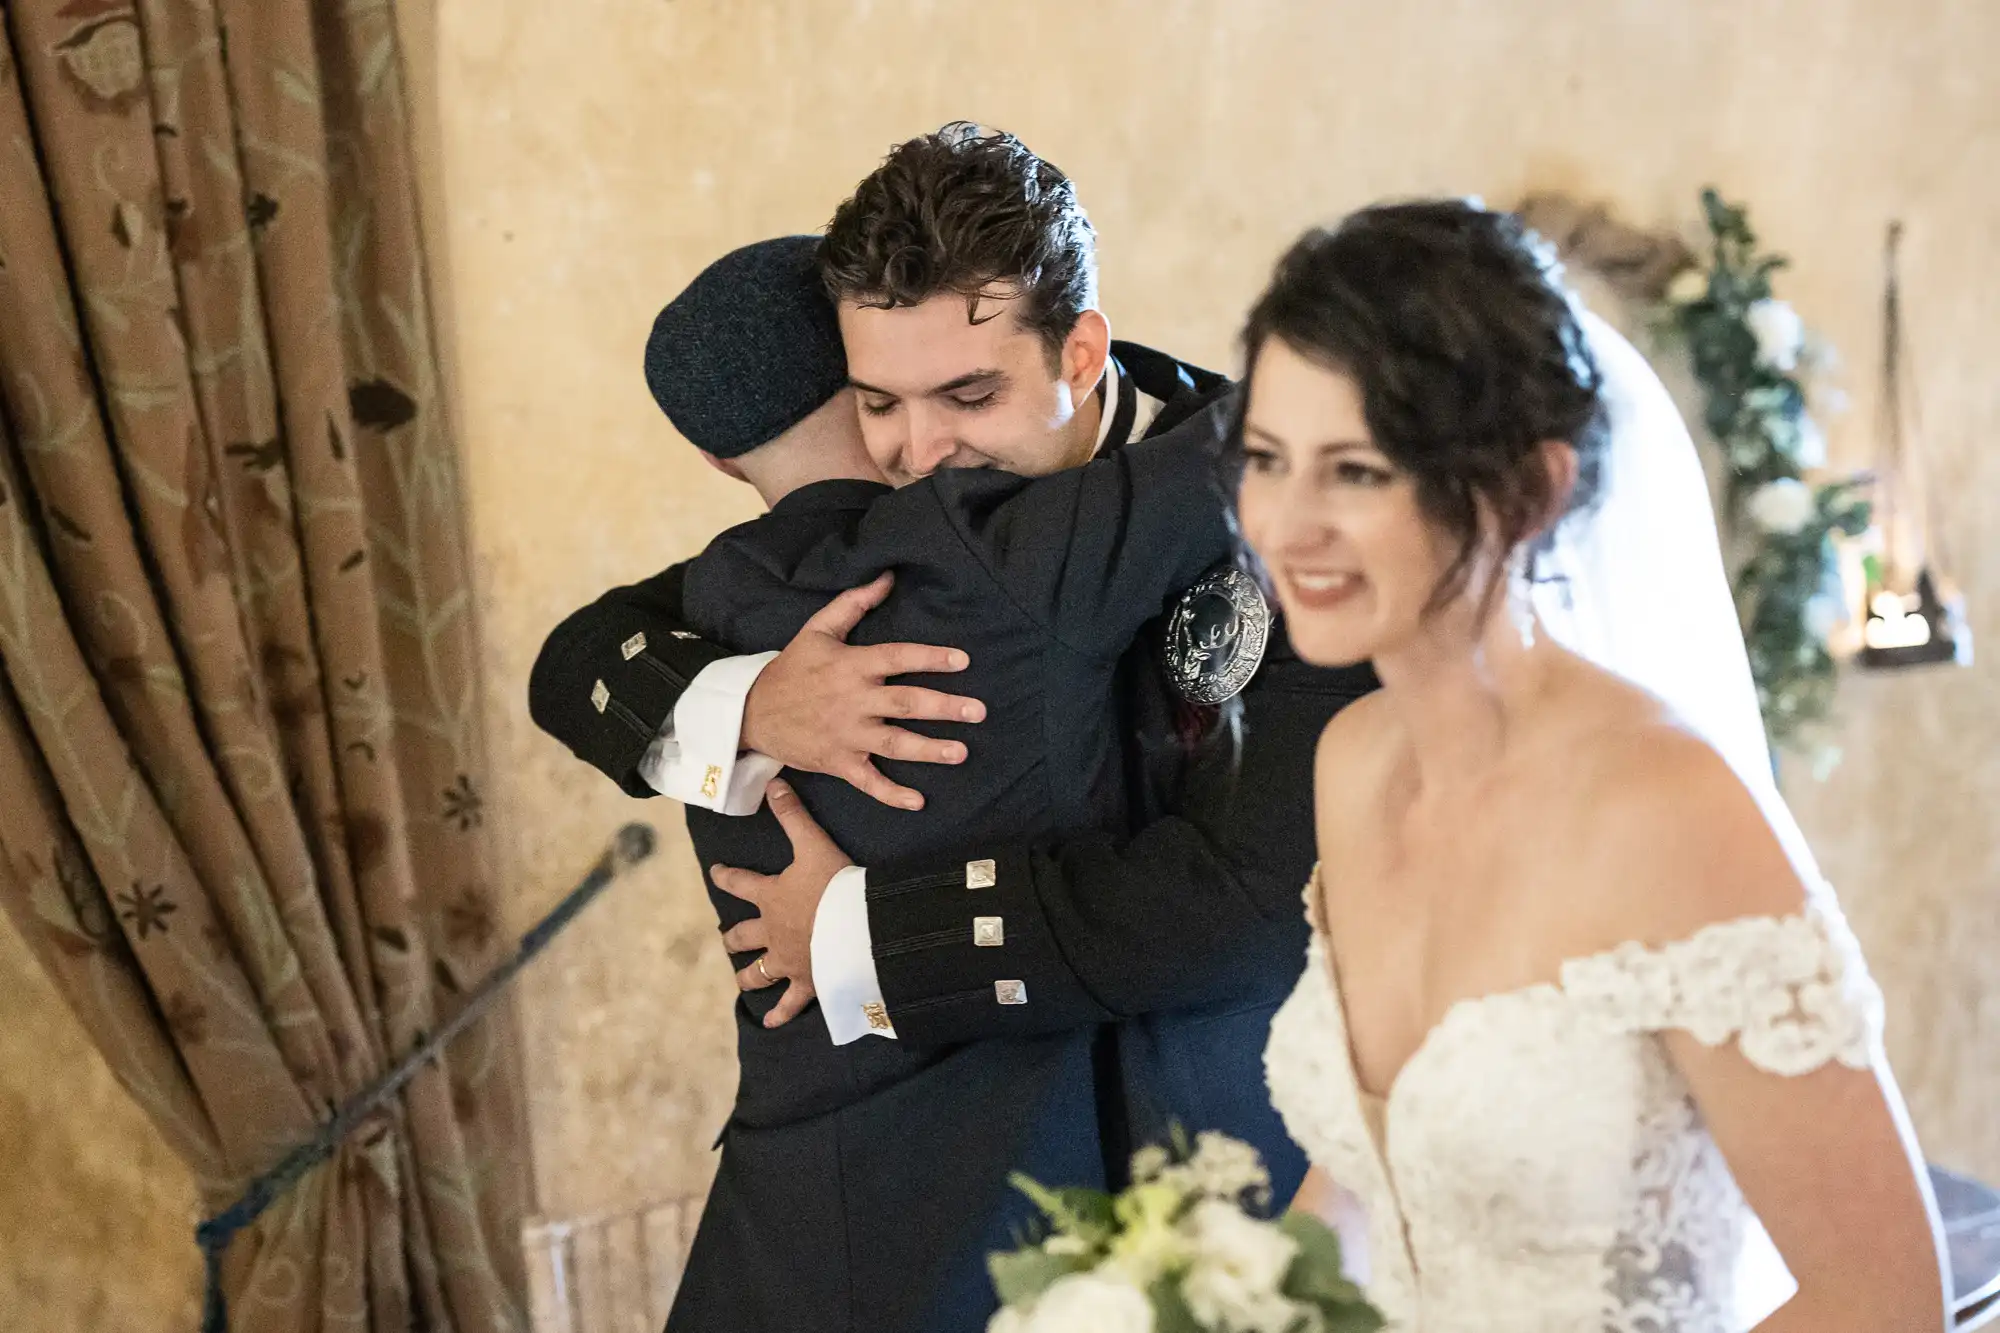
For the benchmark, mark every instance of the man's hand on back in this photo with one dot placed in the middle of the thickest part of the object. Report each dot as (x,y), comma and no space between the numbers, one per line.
(787,905)
(822,705)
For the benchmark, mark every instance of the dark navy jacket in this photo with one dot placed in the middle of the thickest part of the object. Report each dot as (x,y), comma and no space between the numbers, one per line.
(1149,889)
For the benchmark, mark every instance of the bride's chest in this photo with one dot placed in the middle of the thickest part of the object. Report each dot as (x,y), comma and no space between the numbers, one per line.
(1427,942)
(1524,1103)
(1518,1109)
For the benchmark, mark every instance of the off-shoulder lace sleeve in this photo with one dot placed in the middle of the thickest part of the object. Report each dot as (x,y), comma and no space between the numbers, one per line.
(1792,991)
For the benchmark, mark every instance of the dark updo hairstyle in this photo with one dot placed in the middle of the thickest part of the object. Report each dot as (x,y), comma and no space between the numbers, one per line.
(1453,322)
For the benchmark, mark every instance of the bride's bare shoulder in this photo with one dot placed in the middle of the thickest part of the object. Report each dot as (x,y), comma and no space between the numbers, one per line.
(1354,742)
(1679,838)
(1351,765)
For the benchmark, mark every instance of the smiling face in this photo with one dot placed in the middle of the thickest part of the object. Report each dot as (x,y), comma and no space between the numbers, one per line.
(948,384)
(1355,561)
(1422,406)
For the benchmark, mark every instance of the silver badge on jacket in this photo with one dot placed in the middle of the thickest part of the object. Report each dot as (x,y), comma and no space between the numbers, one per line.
(1216,636)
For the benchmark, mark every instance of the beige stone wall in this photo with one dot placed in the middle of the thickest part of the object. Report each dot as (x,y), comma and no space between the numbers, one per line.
(595,155)
(96,1215)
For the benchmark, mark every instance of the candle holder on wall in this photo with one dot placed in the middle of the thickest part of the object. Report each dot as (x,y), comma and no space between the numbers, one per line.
(1913,615)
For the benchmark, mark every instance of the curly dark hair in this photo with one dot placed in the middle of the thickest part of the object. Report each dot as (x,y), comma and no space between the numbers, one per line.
(1469,353)
(964,211)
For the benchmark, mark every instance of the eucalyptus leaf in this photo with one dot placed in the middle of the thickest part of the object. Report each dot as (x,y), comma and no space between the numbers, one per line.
(1319,1246)
(1020,1276)
(1315,1278)
(1350,1319)
(1170,1308)
(1073,1211)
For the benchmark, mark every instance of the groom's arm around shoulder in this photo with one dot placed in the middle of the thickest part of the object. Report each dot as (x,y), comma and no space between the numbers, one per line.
(1776,1028)
(1197,908)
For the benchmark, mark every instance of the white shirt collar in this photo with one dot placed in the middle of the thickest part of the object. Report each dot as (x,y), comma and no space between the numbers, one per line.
(1146,408)
(1109,407)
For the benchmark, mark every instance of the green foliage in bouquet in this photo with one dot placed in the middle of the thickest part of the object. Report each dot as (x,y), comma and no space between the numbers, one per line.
(1750,356)
(1181,1251)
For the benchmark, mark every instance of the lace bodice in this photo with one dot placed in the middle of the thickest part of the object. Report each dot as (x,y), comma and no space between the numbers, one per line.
(1539,1163)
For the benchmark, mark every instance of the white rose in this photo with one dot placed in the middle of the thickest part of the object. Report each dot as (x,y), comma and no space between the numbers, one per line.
(1809,450)
(1010,1319)
(1239,1265)
(1689,285)
(1090,1303)
(1220,1299)
(1221,1168)
(1783,507)
(1779,333)
(1225,1236)
(1148,1162)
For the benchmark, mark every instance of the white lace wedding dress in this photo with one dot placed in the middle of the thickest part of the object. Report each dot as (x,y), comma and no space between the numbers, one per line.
(1538,1165)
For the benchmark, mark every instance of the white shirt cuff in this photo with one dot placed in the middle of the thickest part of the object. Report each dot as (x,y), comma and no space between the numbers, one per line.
(695,757)
(843,959)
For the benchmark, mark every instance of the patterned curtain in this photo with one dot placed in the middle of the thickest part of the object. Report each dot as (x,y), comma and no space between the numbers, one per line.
(240,757)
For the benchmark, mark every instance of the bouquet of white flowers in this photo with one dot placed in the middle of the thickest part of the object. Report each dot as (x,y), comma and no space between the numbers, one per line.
(1181,1251)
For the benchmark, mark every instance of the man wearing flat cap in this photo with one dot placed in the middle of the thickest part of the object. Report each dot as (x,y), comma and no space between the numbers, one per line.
(1061,928)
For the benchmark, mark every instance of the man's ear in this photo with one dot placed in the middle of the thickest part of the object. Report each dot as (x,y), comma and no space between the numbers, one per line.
(727,467)
(1086,352)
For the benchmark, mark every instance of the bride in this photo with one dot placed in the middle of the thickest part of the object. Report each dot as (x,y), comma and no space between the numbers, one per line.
(1576,992)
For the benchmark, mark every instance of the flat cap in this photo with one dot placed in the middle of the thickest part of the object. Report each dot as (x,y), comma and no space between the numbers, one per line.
(749,350)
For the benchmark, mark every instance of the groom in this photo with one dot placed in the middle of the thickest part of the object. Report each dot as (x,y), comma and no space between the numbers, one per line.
(1163,944)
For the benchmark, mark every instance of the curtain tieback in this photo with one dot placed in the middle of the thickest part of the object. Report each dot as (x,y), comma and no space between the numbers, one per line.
(632,844)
